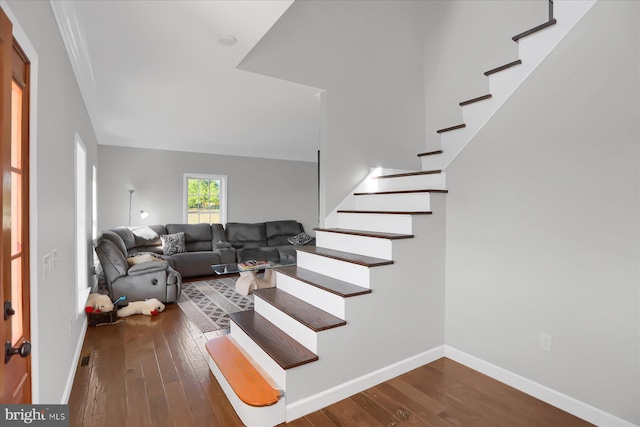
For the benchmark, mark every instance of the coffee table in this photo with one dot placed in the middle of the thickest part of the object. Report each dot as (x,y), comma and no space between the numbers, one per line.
(249,280)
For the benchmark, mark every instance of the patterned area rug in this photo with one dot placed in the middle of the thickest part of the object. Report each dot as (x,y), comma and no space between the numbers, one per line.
(209,302)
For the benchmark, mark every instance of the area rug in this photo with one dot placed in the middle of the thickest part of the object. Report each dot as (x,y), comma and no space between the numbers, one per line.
(208,303)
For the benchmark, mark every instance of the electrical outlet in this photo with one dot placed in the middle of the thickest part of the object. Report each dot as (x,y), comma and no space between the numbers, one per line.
(545,341)
(70,325)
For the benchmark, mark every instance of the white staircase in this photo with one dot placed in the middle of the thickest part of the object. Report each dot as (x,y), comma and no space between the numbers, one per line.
(367,302)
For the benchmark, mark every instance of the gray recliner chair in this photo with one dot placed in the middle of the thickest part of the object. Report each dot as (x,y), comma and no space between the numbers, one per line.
(152,279)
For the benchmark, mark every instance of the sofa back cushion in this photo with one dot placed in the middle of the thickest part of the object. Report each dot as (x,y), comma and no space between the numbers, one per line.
(198,237)
(218,233)
(244,235)
(147,238)
(279,231)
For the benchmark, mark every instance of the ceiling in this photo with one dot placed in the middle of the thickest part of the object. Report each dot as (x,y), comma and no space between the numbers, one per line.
(154,75)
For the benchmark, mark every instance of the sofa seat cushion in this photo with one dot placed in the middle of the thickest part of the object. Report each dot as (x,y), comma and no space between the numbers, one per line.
(190,264)
(244,235)
(279,231)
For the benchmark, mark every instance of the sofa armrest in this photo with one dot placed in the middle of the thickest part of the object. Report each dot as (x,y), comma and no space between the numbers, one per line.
(222,245)
(147,267)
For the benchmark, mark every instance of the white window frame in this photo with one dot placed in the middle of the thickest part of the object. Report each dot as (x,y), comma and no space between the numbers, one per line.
(223,194)
(82,253)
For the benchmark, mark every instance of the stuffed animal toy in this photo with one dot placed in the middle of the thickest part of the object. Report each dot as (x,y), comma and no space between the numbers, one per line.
(150,307)
(97,303)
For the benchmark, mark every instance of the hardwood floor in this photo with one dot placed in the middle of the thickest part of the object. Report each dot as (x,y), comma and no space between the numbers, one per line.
(152,371)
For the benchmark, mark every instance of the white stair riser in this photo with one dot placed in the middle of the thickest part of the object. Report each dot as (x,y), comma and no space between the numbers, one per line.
(250,415)
(386,223)
(369,246)
(352,273)
(290,326)
(393,202)
(434,181)
(324,300)
(432,162)
(271,368)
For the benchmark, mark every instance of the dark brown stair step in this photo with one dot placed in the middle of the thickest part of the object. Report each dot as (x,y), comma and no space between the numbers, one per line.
(387,212)
(452,128)
(402,175)
(480,98)
(430,153)
(374,234)
(284,350)
(503,67)
(534,30)
(352,258)
(332,285)
(401,192)
(309,315)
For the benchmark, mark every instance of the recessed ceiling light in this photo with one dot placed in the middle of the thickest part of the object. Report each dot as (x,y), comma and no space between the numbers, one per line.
(227,39)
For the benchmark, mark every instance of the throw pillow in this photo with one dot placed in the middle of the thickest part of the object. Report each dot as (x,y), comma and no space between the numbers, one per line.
(300,239)
(173,243)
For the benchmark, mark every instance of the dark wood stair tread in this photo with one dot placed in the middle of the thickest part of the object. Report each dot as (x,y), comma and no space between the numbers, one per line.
(309,315)
(374,234)
(326,283)
(352,258)
(429,190)
(430,153)
(534,30)
(284,350)
(460,126)
(245,380)
(387,212)
(503,67)
(402,175)
(480,98)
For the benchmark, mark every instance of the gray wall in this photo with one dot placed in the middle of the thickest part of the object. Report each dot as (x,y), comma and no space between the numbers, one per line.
(257,189)
(542,221)
(463,39)
(60,114)
(368,58)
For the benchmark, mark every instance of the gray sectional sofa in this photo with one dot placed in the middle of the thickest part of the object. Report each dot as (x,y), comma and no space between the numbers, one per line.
(208,244)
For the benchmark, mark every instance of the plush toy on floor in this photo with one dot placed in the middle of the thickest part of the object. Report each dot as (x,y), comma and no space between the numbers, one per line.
(97,303)
(150,307)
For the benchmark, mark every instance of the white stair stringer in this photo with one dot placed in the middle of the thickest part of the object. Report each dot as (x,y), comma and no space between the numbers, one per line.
(532,51)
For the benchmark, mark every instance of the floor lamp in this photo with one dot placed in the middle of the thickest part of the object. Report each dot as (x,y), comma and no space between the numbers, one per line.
(142,213)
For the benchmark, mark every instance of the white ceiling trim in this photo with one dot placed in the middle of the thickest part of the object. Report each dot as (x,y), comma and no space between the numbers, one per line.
(76,46)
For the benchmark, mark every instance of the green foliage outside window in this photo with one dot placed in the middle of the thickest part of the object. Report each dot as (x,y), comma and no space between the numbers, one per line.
(203,200)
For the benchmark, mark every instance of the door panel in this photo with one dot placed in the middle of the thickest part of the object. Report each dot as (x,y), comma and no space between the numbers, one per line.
(15,372)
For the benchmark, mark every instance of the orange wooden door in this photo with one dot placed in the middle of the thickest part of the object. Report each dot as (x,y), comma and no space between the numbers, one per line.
(15,370)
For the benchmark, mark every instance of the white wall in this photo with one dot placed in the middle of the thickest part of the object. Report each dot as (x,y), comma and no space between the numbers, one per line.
(368,58)
(463,39)
(60,114)
(543,221)
(258,190)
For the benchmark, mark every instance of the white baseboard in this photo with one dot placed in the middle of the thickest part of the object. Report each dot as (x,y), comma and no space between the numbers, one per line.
(318,401)
(74,365)
(539,391)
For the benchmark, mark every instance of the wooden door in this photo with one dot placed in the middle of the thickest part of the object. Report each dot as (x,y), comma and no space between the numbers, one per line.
(15,372)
